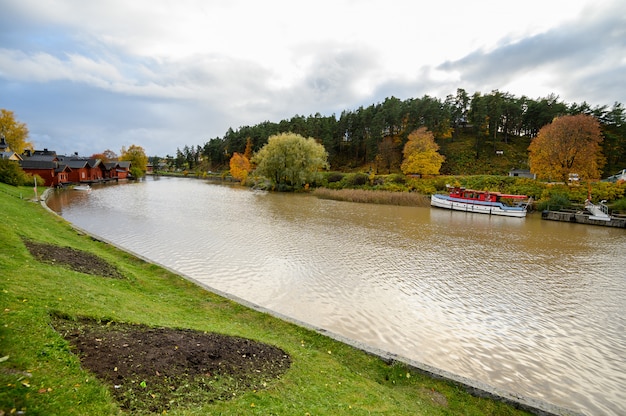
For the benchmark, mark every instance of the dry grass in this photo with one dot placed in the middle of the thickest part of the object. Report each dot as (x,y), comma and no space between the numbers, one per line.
(374,197)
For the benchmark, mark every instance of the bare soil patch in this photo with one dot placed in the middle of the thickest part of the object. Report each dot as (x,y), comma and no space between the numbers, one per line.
(155,369)
(74,259)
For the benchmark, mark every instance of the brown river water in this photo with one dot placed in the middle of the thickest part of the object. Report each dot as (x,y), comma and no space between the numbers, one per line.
(526,305)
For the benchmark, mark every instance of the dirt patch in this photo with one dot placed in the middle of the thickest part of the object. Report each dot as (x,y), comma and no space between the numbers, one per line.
(156,369)
(76,260)
(435,397)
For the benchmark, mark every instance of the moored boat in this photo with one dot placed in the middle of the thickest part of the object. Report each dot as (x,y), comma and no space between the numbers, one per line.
(482,202)
(84,188)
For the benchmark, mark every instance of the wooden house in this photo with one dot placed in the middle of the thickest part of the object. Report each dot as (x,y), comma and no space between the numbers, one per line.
(522,173)
(117,170)
(83,170)
(6,152)
(46,164)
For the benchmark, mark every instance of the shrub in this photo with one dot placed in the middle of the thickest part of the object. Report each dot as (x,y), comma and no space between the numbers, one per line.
(334,177)
(12,174)
(397,178)
(357,179)
(619,205)
(554,202)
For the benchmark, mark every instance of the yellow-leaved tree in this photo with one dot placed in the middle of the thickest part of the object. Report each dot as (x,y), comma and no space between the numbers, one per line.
(138,160)
(14,132)
(570,144)
(421,154)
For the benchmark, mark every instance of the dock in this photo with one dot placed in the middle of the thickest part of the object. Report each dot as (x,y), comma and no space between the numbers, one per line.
(583,218)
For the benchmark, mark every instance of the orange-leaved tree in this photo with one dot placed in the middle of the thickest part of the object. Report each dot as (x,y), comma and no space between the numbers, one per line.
(240,167)
(570,144)
(421,154)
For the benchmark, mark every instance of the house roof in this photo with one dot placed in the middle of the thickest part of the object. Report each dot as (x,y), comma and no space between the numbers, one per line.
(40,157)
(62,168)
(44,152)
(76,162)
(10,155)
(124,164)
(31,163)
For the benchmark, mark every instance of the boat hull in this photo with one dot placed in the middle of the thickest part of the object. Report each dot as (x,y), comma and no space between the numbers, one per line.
(479,207)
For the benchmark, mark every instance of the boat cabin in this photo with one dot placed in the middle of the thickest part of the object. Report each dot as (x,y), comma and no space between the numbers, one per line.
(483,196)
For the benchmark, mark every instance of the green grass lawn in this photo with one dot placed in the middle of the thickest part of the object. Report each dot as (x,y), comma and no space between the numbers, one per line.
(39,374)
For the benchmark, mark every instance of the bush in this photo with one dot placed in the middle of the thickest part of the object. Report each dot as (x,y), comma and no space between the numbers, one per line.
(397,178)
(357,179)
(12,174)
(334,177)
(619,205)
(554,202)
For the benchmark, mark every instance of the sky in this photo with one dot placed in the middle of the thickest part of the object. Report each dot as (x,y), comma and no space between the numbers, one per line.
(87,76)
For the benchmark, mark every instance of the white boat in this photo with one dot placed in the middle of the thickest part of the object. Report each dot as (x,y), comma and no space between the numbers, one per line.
(482,202)
(84,188)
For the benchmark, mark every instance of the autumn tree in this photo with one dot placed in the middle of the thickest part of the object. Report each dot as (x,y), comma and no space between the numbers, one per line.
(240,167)
(570,144)
(388,153)
(289,160)
(14,132)
(421,154)
(106,156)
(138,160)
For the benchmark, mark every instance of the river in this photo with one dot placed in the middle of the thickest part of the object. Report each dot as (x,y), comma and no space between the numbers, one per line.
(526,305)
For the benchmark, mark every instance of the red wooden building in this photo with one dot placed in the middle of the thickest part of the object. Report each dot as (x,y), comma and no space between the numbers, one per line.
(45,163)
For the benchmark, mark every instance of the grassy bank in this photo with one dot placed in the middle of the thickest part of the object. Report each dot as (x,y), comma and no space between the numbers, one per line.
(40,374)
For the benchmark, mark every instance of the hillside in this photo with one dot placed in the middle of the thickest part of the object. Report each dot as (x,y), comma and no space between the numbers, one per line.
(494,158)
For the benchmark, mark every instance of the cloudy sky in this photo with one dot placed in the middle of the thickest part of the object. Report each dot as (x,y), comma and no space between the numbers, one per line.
(86,76)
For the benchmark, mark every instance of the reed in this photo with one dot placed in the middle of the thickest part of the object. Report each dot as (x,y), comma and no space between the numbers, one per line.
(374,197)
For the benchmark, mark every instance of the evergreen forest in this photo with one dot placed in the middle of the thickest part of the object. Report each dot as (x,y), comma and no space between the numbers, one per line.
(477,134)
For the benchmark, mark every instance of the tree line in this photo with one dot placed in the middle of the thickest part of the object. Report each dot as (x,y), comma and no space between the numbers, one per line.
(376,135)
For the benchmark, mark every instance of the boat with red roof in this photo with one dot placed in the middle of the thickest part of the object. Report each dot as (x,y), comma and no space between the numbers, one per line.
(482,202)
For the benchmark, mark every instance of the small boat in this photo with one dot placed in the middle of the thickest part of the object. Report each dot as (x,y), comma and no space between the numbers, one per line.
(482,202)
(84,188)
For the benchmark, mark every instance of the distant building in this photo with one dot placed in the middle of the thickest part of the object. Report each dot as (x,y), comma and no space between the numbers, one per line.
(45,163)
(619,176)
(522,173)
(6,152)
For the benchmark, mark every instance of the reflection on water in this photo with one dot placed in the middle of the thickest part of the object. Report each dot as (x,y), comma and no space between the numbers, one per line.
(530,306)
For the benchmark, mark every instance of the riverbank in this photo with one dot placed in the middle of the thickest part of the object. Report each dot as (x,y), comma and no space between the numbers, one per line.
(325,376)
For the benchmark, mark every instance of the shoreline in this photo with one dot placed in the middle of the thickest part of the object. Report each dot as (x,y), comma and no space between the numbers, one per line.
(474,387)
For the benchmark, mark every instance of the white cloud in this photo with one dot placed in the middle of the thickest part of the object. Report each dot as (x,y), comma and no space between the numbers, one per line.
(187,70)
